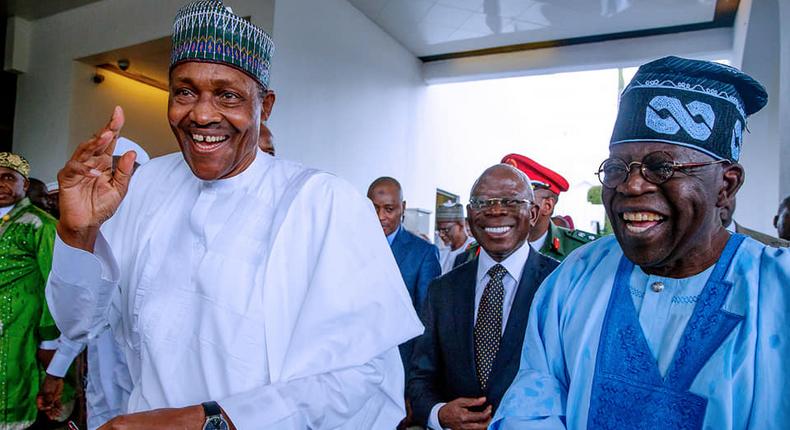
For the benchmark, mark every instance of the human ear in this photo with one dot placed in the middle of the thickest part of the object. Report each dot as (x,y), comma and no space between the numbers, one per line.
(267,105)
(534,213)
(732,179)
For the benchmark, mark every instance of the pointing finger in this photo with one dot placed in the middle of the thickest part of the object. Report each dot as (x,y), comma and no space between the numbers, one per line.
(116,123)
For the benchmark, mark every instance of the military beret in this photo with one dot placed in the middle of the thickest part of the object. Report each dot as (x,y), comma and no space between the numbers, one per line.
(541,176)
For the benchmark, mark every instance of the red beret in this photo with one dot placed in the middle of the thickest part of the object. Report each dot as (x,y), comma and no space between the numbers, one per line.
(537,174)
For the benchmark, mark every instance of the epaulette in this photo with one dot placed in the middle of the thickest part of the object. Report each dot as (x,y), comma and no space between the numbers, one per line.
(580,235)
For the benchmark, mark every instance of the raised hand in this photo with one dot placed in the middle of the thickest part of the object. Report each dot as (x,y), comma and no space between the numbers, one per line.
(90,192)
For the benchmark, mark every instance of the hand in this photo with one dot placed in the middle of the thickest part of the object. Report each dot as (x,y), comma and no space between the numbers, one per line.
(408,421)
(457,416)
(48,399)
(189,418)
(90,192)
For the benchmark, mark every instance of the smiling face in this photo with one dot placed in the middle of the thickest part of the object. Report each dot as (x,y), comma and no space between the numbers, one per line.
(215,112)
(13,187)
(672,229)
(501,230)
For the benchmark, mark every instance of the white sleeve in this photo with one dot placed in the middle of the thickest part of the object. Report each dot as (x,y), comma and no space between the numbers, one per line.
(324,401)
(433,417)
(80,288)
(67,351)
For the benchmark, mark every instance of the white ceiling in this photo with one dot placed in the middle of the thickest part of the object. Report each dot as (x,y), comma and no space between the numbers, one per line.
(436,27)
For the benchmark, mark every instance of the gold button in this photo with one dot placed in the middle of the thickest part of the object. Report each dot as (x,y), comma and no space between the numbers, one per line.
(657,287)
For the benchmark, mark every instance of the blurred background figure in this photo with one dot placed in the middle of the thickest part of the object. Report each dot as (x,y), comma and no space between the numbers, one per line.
(451,226)
(39,195)
(28,335)
(418,260)
(730,224)
(782,219)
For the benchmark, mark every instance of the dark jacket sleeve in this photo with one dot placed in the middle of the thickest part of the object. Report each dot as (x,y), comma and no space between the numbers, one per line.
(429,270)
(424,379)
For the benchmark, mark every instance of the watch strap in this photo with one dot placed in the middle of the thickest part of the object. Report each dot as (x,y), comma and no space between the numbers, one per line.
(211,409)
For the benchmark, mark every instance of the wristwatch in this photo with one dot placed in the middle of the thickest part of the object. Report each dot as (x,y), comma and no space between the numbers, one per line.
(214,418)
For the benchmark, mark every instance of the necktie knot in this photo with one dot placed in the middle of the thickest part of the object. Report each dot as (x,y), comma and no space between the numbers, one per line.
(497,272)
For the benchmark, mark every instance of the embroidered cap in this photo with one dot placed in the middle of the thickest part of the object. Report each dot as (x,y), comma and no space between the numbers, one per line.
(15,162)
(540,176)
(206,30)
(450,212)
(693,103)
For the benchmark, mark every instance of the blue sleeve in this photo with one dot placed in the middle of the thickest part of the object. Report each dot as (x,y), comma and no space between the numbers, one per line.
(771,402)
(429,270)
(537,396)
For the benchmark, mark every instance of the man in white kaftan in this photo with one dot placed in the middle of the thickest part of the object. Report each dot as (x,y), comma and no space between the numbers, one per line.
(674,323)
(243,291)
(179,273)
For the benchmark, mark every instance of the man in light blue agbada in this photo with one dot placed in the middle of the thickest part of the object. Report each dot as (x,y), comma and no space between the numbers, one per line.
(673,323)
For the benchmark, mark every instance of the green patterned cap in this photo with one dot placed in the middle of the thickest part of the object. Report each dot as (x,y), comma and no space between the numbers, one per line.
(206,30)
(15,162)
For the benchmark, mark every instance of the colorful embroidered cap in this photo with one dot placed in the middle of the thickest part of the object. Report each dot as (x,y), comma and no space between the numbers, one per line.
(693,103)
(540,176)
(450,212)
(15,162)
(206,30)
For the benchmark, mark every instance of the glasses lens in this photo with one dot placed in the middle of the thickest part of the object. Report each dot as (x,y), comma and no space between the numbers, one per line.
(658,167)
(612,172)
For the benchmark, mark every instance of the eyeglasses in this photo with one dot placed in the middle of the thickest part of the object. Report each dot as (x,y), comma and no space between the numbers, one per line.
(445,230)
(656,168)
(507,203)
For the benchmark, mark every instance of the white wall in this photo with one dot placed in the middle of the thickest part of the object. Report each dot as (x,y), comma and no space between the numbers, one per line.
(144,106)
(44,117)
(348,98)
(757,53)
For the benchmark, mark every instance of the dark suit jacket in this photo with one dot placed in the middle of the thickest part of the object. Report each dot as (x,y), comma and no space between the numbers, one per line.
(418,262)
(443,361)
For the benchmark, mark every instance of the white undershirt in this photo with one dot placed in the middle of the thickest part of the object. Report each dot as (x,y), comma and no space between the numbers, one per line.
(4,211)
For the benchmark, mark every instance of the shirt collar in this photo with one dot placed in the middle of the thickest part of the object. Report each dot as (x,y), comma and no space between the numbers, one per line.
(514,263)
(248,176)
(4,211)
(538,243)
(391,236)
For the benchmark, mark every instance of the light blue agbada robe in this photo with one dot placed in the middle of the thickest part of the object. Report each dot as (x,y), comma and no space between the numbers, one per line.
(681,353)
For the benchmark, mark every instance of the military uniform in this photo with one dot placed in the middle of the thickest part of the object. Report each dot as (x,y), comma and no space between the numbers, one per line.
(762,237)
(561,241)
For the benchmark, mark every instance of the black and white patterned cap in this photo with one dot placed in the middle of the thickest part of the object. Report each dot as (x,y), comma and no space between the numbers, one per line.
(693,103)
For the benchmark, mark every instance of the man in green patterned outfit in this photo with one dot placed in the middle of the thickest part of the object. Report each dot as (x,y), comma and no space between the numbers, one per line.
(28,336)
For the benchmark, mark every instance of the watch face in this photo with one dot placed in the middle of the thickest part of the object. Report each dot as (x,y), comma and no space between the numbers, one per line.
(215,423)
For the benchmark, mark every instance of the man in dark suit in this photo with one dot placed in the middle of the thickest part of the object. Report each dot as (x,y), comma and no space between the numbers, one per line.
(417,259)
(476,315)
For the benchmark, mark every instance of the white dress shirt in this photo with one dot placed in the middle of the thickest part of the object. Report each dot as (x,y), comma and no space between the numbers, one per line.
(514,264)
